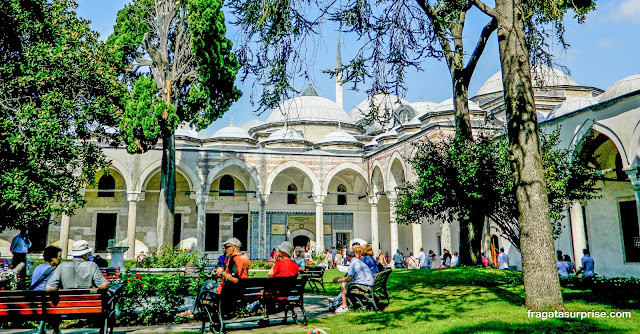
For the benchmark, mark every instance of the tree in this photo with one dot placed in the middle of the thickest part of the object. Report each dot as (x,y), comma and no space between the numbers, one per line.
(457,178)
(519,41)
(179,65)
(59,93)
(396,35)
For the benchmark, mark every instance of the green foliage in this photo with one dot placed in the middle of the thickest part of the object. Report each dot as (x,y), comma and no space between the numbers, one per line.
(154,299)
(459,178)
(170,257)
(259,264)
(58,90)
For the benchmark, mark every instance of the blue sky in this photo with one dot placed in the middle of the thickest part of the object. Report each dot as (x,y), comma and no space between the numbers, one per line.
(603,50)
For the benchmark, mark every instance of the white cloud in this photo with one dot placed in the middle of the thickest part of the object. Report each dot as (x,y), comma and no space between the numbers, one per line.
(629,10)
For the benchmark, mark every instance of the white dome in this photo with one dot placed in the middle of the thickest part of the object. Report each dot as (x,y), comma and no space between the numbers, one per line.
(624,86)
(285,134)
(447,106)
(570,106)
(542,116)
(546,77)
(386,104)
(338,136)
(231,132)
(423,107)
(308,108)
(186,131)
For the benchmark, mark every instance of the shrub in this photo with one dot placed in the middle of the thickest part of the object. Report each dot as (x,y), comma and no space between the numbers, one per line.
(170,257)
(259,264)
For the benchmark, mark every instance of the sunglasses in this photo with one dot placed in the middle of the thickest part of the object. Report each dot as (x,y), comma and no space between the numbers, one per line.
(227,246)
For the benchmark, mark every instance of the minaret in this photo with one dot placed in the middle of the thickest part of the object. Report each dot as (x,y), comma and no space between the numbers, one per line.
(339,100)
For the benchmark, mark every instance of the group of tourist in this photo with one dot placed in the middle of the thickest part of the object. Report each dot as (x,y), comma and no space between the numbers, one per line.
(566,268)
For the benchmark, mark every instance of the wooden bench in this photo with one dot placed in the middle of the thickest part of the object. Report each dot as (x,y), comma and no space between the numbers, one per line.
(316,276)
(370,298)
(253,299)
(16,305)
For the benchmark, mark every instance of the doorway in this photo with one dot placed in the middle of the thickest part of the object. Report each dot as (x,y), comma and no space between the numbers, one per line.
(105,230)
(301,240)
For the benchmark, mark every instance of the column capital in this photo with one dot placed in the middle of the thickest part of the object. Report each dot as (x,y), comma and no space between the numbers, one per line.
(392,196)
(262,198)
(319,199)
(634,177)
(202,197)
(373,200)
(133,196)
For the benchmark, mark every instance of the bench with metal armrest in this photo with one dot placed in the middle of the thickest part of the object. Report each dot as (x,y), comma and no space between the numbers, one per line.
(373,297)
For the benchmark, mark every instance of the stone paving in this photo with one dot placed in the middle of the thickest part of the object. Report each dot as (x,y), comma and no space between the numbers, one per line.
(315,305)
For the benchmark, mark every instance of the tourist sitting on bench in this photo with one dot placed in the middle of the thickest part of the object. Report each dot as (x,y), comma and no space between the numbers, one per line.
(237,268)
(358,273)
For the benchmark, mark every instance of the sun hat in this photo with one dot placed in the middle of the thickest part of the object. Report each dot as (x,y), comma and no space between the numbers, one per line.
(79,248)
(286,247)
(233,241)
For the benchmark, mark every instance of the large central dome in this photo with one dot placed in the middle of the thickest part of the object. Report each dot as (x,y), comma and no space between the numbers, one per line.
(308,107)
(546,76)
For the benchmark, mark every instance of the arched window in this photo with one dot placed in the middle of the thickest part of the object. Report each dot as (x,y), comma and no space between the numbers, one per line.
(106,182)
(342,198)
(226,184)
(292,198)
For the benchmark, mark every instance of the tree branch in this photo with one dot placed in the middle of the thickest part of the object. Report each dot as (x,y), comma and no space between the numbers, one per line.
(439,31)
(484,8)
(482,43)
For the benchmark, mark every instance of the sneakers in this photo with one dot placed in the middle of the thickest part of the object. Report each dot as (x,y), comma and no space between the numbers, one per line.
(341,309)
(186,314)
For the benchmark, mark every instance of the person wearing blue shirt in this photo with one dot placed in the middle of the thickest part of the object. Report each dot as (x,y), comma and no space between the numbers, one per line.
(358,273)
(299,258)
(19,248)
(587,264)
(40,276)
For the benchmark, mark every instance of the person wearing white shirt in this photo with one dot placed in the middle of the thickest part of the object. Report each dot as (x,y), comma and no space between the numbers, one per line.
(422,259)
(503,260)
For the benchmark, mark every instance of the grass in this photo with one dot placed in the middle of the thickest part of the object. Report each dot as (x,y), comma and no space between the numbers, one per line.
(472,300)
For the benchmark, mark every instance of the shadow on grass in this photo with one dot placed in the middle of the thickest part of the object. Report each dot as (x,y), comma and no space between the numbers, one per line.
(573,326)
(588,296)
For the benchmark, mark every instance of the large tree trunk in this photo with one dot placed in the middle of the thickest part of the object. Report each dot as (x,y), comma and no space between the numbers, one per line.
(461,105)
(541,283)
(471,240)
(167,198)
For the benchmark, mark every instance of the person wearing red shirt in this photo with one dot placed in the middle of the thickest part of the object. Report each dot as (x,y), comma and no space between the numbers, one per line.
(285,266)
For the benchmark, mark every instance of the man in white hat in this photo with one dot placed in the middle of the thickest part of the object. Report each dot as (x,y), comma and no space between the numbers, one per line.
(284,267)
(79,273)
(236,268)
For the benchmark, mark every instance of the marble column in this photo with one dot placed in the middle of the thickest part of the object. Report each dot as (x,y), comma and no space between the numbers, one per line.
(416,232)
(577,230)
(64,234)
(319,199)
(393,225)
(202,198)
(375,238)
(262,223)
(132,198)
(445,236)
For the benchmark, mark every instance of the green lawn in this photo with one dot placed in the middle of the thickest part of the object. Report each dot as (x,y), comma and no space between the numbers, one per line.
(472,300)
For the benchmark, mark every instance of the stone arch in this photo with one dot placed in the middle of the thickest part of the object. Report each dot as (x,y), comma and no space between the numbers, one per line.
(213,173)
(292,164)
(393,176)
(303,232)
(120,168)
(635,147)
(339,168)
(606,131)
(377,165)
(187,172)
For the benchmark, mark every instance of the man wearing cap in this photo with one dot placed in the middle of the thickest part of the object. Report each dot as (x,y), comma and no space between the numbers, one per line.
(79,273)
(358,273)
(237,268)
(284,267)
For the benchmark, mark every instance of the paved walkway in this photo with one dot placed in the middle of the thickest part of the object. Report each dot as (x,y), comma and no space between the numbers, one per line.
(315,305)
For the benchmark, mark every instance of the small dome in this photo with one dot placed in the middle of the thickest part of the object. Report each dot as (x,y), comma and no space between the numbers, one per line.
(624,86)
(542,116)
(186,131)
(423,107)
(546,77)
(285,134)
(386,104)
(570,106)
(338,136)
(231,132)
(308,107)
(447,106)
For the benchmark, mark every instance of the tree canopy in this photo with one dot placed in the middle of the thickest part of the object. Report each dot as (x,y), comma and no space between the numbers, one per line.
(58,93)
